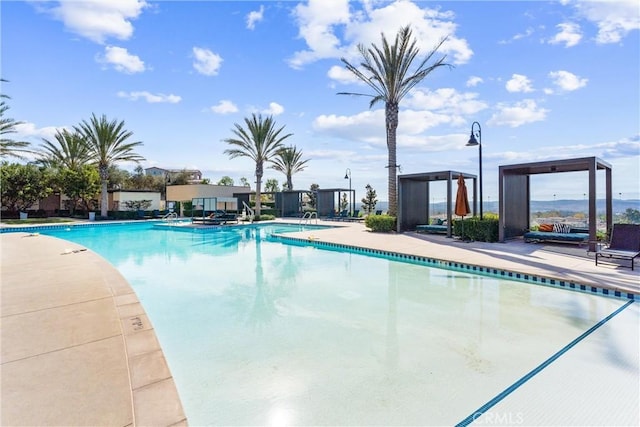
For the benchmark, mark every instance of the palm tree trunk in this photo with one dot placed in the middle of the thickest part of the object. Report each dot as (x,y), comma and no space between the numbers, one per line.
(104,202)
(258,186)
(391,113)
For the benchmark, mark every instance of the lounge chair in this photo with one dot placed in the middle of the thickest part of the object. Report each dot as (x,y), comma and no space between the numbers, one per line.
(378,212)
(624,243)
(355,216)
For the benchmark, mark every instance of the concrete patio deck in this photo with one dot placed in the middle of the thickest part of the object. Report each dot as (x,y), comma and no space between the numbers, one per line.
(78,349)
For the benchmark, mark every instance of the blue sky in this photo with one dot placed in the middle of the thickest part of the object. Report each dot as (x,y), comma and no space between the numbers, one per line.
(545,80)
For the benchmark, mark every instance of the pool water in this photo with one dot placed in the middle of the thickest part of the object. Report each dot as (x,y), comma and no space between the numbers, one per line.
(258,332)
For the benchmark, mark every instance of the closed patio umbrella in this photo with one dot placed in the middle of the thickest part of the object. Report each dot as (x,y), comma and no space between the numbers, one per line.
(462,201)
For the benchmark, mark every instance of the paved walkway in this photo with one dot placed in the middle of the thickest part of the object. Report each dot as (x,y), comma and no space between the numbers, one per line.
(78,349)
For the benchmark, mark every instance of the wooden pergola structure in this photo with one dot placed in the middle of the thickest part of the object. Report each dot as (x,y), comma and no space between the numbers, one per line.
(514,193)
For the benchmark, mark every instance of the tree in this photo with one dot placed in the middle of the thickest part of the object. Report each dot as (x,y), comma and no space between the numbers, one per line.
(388,76)
(79,184)
(225,180)
(108,144)
(632,215)
(245,182)
(271,186)
(181,178)
(23,185)
(344,202)
(313,195)
(260,142)
(119,178)
(141,181)
(288,160)
(369,200)
(69,150)
(8,146)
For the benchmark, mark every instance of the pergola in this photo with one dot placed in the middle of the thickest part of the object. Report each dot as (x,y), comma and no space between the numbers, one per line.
(413,197)
(327,202)
(514,193)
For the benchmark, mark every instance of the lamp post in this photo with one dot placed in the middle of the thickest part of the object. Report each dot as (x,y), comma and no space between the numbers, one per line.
(473,142)
(167,181)
(347,175)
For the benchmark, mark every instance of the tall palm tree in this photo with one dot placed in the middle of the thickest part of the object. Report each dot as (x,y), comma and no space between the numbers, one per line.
(9,147)
(386,71)
(69,150)
(108,144)
(260,142)
(288,160)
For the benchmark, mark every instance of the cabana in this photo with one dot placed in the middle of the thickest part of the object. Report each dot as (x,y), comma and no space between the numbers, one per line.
(327,203)
(413,197)
(514,194)
(290,203)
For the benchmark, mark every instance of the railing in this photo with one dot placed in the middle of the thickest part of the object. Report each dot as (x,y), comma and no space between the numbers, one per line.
(308,216)
(247,208)
(170,217)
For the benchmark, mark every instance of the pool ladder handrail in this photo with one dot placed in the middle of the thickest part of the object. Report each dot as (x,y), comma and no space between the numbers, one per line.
(170,217)
(308,216)
(252,213)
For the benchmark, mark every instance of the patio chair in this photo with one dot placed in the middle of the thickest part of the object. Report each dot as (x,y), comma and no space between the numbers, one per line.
(624,243)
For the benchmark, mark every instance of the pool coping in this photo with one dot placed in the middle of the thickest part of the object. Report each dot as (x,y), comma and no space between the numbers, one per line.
(470,268)
(154,398)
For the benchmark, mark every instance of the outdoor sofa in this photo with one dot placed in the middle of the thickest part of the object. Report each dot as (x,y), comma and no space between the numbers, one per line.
(558,233)
(439,226)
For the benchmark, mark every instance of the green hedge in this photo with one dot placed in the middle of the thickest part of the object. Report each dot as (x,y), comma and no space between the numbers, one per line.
(382,223)
(485,230)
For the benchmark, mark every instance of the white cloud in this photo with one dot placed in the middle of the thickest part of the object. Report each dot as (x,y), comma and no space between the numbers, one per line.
(320,22)
(446,101)
(615,19)
(518,114)
(98,20)
(224,107)
(567,81)
(28,130)
(342,75)
(206,62)
(254,16)
(121,60)
(274,109)
(569,34)
(150,97)
(527,33)
(519,83)
(474,81)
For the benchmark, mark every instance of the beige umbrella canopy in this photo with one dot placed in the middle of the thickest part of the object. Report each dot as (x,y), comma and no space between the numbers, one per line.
(462,200)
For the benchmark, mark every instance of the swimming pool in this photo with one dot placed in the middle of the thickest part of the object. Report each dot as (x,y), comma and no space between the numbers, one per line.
(259,332)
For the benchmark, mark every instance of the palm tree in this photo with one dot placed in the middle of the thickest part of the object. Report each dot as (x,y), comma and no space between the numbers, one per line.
(107,143)
(388,70)
(288,160)
(9,147)
(260,141)
(69,150)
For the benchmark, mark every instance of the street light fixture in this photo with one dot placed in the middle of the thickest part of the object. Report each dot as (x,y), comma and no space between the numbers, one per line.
(472,143)
(347,175)
(167,181)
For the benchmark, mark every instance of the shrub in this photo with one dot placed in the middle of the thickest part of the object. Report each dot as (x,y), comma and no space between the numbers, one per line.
(264,217)
(382,223)
(485,230)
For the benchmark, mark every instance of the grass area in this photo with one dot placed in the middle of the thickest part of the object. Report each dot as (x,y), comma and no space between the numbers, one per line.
(30,221)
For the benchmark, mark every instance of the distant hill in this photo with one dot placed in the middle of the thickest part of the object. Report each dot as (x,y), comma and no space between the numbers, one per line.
(547,205)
